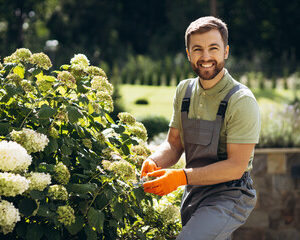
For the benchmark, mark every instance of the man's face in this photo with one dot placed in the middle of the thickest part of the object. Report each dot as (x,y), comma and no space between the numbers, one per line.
(207,53)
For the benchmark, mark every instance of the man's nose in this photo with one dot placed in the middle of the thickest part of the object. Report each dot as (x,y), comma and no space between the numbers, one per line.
(205,55)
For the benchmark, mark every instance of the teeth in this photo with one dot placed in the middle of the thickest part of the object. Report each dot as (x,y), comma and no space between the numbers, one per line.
(206,65)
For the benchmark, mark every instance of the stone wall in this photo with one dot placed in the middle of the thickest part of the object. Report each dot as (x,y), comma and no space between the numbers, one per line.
(277,182)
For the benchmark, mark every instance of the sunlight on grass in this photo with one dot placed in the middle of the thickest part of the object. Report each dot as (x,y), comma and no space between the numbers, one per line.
(161,99)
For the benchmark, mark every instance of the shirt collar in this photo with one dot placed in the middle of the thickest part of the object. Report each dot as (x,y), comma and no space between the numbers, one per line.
(215,89)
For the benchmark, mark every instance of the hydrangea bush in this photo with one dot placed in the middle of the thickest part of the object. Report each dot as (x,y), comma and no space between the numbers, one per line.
(67,170)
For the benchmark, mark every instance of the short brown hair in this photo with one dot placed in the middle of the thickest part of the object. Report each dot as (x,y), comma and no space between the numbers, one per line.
(205,24)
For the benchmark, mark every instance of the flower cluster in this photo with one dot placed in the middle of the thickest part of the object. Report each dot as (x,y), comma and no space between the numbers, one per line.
(9,216)
(95,71)
(170,213)
(126,118)
(14,78)
(122,168)
(12,184)
(67,78)
(13,157)
(20,55)
(106,99)
(65,215)
(141,150)
(41,60)
(27,86)
(39,181)
(58,192)
(139,130)
(30,140)
(61,173)
(80,60)
(101,83)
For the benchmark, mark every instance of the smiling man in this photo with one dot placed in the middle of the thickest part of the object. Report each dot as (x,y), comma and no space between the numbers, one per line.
(216,122)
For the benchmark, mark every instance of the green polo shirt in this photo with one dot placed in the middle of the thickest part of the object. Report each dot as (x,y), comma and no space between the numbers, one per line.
(242,118)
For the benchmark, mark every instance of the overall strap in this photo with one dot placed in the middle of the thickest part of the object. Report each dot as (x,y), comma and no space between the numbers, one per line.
(187,97)
(224,102)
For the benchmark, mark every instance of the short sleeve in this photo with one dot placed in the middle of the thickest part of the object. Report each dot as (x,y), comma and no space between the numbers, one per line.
(243,121)
(175,119)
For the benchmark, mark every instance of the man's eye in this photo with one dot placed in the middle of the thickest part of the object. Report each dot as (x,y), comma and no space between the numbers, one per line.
(214,49)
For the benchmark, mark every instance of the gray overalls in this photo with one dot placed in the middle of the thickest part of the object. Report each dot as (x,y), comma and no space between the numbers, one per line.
(212,211)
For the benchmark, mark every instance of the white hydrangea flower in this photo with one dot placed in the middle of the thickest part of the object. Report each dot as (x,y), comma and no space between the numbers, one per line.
(13,157)
(81,60)
(12,184)
(30,140)
(39,181)
(123,168)
(66,215)
(101,83)
(168,211)
(58,192)
(9,216)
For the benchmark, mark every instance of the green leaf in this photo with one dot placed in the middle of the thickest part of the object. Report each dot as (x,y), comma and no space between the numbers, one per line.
(4,128)
(35,194)
(74,114)
(45,167)
(109,118)
(118,210)
(90,234)
(125,149)
(139,194)
(46,112)
(21,229)
(52,146)
(96,219)
(118,128)
(101,201)
(82,188)
(34,232)
(65,150)
(77,226)
(20,71)
(65,67)
(35,71)
(27,206)
(44,211)
(52,234)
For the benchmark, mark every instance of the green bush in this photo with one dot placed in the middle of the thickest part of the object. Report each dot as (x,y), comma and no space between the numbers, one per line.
(280,126)
(155,125)
(141,101)
(67,170)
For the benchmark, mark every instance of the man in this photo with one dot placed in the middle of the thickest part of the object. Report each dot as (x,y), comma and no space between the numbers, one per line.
(216,122)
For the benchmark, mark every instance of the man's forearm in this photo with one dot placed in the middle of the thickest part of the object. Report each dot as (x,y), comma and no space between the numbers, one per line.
(166,155)
(222,171)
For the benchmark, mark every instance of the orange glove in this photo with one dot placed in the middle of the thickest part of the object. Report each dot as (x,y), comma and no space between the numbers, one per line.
(168,180)
(148,166)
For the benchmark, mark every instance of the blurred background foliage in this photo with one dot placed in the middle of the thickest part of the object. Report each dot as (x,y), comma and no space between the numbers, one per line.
(142,43)
(262,32)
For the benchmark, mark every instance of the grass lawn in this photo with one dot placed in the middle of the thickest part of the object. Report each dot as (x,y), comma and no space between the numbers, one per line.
(160,99)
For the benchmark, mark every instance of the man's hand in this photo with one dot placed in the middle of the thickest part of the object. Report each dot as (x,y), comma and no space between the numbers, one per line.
(148,166)
(168,180)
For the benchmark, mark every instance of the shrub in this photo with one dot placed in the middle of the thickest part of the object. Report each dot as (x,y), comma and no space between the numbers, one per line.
(280,125)
(155,125)
(141,101)
(67,170)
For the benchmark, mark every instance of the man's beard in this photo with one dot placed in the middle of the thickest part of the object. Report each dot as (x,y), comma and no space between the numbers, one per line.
(208,74)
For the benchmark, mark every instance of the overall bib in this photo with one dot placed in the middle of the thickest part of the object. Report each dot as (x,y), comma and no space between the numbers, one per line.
(212,211)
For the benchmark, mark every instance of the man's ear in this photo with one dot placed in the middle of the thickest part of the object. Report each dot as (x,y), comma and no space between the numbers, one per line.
(188,54)
(226,52)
